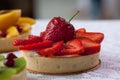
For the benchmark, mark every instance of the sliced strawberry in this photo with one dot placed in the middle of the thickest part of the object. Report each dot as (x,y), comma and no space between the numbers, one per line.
(31,39)
(42,34)
(22,42)
(73,47)
(83,30)
(38,38)
(52,51)
(36,46)
(90,47)
(26,42)
(95,36)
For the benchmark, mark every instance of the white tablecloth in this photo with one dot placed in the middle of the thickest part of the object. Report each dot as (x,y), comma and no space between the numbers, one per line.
(110,51)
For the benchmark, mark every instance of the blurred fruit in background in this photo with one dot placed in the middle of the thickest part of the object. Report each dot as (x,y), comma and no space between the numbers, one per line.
(46,9)
(25,5)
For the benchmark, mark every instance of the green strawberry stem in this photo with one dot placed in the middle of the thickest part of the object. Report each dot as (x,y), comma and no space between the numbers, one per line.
(73,16)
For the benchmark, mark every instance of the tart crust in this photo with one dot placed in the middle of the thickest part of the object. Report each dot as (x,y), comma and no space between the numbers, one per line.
(61,65)
(19,76)
(6,43)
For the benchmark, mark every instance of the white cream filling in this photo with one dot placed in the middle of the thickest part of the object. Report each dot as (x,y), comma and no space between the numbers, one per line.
(30,53)
(34,53)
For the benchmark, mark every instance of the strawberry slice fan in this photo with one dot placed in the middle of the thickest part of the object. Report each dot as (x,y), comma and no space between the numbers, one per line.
(91,40)
(84,43)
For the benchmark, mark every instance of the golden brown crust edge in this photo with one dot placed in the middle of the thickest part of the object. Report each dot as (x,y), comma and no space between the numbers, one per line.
(61,65)
(66,73)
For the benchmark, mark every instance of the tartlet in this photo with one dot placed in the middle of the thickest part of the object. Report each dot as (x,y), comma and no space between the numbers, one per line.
(12,68)
(61,49)
(13,26)
(7,42)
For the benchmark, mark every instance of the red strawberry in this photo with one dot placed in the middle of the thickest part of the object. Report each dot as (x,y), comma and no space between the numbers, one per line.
(34,37)
(27,41)
(58,29)
(42,34)
(95,36)
(22,42)
(73,47)
(52,51)
(83,30)
(90,47)
(36,46)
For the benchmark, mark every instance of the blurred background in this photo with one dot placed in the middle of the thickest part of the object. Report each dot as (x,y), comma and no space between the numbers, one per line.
(46,9)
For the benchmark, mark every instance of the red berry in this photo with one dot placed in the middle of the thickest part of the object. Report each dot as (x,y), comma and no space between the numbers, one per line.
(95,36)
(90,46)
(19,28)
(11,56)
(36,46)
(9,62)
(53,50)
(58,29)
(73,47)
(3,33)
(42,34)
(81,30)
(31,40)
(34,37)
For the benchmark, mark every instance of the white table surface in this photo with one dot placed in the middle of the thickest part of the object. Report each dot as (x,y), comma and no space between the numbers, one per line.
(110,51)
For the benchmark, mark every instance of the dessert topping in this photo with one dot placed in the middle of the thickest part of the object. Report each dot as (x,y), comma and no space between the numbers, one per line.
(36,46)
(11,56)
(9,62)
(95,36)
(80,45)
(19,28)
(72,47)
(58,29)
(12,24)
(90,46)
(54,50)
(3,33)
(32,39)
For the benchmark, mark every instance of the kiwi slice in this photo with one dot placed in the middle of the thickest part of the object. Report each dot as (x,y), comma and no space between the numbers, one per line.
(2,66)
(7,72)
(2,57)
(20,64)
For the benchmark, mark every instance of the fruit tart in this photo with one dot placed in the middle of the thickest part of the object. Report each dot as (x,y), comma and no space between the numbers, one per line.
(61,49)
(12,67)
(13,26)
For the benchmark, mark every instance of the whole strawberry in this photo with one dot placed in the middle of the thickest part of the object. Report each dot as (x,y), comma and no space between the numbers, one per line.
(58,29)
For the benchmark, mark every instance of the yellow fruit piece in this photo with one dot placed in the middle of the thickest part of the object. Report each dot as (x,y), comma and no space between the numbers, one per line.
(26,20)
(12,32)
(9,18)
(25,27)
